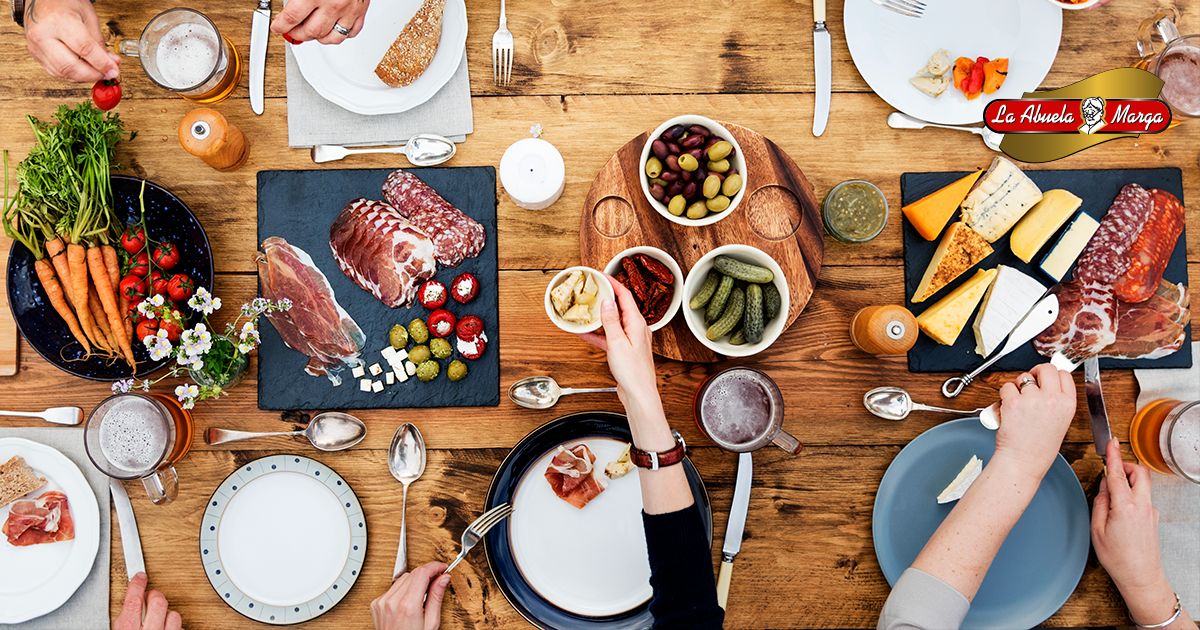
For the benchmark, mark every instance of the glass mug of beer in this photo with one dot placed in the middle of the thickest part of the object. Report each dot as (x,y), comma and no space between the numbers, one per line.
(140,436)
(181,50)
(1177,64)
(1165,436)
(741,409)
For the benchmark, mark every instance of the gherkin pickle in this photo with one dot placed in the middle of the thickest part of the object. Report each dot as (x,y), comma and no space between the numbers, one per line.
(418,331)
(457,370)
(419,355)
(398,336)
(428,370)
(440,348)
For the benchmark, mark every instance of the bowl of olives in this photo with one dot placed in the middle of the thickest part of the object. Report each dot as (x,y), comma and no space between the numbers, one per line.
(693,171)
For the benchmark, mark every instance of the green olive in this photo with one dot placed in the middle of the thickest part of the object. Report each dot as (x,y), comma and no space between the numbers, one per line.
(457,370)
(398,336)
(419,355)
(712,186)
(677,205)
(697,210)
(719,166)
(653,167)
(687,162)
(718,203)
(732,185)
(440,348)
(428,370)
(418,331)
(659,181)
(719,151)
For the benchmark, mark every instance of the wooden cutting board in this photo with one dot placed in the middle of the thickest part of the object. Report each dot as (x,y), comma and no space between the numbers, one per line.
(779,214)
(8,328)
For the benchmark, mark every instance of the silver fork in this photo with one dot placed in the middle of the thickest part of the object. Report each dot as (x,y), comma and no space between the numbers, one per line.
(478,528)
(502,50)
(911,8)
(1069,358)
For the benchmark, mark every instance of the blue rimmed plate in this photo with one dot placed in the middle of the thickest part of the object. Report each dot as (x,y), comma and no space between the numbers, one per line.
(1039,564)
(260,573)
(526,551)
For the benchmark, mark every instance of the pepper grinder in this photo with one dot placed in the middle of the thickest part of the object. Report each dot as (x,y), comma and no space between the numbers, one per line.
(207,135)
(883,330)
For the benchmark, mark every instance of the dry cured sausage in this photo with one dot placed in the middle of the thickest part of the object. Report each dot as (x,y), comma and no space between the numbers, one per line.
(1106,256)
(455,235)
(1150,253)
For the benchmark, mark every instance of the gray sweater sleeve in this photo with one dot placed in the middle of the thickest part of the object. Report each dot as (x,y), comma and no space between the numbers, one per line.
(920,600)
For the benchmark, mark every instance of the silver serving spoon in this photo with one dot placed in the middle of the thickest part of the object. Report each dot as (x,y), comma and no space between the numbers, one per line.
(57,415)
(329,431)
(893,403)
(896,120)
(406,460)
(543,392)
(425,149)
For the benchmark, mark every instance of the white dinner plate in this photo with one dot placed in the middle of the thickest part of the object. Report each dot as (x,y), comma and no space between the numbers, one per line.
(37,579)
(889,48)
(283,539)
(345,73)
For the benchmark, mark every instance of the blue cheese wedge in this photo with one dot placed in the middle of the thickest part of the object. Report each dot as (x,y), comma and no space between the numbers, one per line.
(1060,257)
(1009,298)
(999,199)
(965,478)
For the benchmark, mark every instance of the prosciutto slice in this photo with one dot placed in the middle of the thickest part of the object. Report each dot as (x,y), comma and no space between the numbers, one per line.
(381,251)
(1087,319)
(1153,328)
(316,325)
(572,475)
(46,519)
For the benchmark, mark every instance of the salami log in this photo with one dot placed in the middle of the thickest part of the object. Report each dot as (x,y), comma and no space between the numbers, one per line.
(1148,257)
(455,235)
(1106,256)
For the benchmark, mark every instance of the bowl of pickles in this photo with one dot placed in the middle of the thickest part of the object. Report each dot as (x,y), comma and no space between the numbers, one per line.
(735,300)
(692,170)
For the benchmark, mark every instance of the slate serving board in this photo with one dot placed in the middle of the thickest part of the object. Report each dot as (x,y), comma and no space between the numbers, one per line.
(1097,188)
(300,206)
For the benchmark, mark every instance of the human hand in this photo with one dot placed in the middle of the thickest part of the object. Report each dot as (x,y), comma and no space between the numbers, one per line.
(64,36)
(1125,524)
(626,339)
(302,20)
(414,602)
(1034,418)
(158,617)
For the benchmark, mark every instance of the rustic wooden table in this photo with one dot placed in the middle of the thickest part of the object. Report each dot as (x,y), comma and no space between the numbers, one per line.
(596,75)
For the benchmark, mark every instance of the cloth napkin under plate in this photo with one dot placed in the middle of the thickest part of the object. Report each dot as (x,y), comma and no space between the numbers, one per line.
(88,607)
(314,120)
(1177,499)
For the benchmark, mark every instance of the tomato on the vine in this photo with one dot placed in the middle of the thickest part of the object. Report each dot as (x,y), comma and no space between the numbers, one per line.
(133,287)
(180,287)
(134,239)
(140,265)
(166,255)
(173,324)
(158,283)
(106,93)
(146,328)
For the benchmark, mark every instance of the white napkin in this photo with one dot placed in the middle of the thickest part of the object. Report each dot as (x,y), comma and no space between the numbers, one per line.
(88,607)
(1177,499)
(314,120)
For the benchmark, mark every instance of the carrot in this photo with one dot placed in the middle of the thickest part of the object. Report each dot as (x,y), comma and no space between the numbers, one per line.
(101,320)
(113,265)
(54,251)
(77,282)
(108,298)
(54,291)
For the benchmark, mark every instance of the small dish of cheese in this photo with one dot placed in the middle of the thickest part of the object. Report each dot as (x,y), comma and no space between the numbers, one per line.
(573,299)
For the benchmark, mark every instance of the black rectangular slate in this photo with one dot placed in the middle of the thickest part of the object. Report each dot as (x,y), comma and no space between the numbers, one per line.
(1097,188)
(299,206)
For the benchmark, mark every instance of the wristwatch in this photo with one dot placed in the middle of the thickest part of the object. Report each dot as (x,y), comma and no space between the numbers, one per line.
(18,12)
(654,461)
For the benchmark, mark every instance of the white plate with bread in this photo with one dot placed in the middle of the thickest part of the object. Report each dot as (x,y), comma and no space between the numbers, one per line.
(345,74)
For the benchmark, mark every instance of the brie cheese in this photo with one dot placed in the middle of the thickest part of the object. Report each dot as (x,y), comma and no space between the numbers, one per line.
(1009,298)
(965,478)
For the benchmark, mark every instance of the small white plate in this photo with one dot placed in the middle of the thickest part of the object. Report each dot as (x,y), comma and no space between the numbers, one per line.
(889,48)
(283,539)
(345,73)
(37,579)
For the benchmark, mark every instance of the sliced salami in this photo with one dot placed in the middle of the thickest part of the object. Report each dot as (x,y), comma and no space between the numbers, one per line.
(1150,253)
(1106,256)
(455,235)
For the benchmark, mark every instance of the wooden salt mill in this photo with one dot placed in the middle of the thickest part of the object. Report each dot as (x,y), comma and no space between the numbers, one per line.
(883,330)
(207,135)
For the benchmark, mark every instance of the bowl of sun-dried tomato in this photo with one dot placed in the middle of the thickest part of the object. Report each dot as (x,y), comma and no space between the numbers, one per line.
(655,280)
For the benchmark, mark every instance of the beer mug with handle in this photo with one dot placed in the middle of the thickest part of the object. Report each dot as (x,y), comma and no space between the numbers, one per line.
(181,50)
(140,436)
(1176,61)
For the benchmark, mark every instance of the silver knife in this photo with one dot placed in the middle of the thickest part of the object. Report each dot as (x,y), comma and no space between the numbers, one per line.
(823,66)
(131,543)
(260,24)
(736,525)
(1095,399)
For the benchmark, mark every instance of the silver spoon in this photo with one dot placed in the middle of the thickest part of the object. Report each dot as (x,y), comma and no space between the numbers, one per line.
(329,431)
(406,460)
(896,120)
(543,392)
(893,403)
(57,415)
(425,149)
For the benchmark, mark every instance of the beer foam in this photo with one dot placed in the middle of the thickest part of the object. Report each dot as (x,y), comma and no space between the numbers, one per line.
(187,55)
(738,408)
(133,436)
(1180,72)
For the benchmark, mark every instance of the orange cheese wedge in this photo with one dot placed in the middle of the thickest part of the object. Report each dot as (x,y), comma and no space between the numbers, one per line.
(929,214)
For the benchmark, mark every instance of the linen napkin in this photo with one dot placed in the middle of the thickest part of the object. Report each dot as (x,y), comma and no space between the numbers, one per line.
(1177,499)
(88,607)
(314,120)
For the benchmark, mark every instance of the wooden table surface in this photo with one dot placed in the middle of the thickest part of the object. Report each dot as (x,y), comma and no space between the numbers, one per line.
(596,75)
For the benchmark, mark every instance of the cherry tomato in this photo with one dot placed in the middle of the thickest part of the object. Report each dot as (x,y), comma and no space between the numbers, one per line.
(180,287)
(173,324)
(464,288)
(133,288)
(432,294)
(166,255)
(106,93)
(441,323)
(140,266)
(469,327)
(146,328)
(134,239)
(158,284)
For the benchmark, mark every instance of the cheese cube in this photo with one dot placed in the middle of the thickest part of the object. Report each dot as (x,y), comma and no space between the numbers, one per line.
(375,369)
(364,385)
(390,378)
(401,375)
(1060,257)
(1042,221)
(960,249)
(999,200)
(930,213)
(945,320)
(358,371)
(401,355)
(1007,301)
(388,352)
(376,386)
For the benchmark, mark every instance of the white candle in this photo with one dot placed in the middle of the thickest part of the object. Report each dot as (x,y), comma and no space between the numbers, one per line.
(532,173)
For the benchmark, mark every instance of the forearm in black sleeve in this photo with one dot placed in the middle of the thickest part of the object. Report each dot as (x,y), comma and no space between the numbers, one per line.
(681,572)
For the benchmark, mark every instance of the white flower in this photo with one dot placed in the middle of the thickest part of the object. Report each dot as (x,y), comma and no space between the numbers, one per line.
(186,391)
(245,348)
(216,306)
(184,358)
(145,386)
(284,304)
(199,364)
(122,386)
(158,345)
(202,301)
(146,308)
(196,341)
(536,130)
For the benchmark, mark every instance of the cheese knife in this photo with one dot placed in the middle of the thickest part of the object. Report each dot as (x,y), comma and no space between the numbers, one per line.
(823,66)
(131,543)
(736,525)
(1101,434)
(1039,318)
(260,23)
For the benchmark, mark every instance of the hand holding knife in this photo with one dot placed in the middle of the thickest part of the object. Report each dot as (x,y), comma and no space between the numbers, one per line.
(131,543)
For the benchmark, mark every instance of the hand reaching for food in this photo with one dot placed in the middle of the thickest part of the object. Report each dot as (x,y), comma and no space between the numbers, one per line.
(626,339)
(64,36)
(1035,414)
(327,21)
(157,614)
(414,602)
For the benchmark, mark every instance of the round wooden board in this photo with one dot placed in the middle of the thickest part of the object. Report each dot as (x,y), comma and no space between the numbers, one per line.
(779,215)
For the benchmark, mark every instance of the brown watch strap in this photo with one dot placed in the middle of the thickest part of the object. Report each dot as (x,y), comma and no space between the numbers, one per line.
(654,461)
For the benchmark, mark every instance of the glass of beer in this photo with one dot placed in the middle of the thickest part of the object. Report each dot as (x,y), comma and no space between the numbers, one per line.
(181,50)
(140,436)
(1176,62)
(741,409)
(1165,436)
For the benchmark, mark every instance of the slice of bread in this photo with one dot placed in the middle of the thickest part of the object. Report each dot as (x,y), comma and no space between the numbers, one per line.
(17,479)
(414,49)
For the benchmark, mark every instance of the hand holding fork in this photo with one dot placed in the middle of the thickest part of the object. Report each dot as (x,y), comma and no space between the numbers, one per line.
(480,527)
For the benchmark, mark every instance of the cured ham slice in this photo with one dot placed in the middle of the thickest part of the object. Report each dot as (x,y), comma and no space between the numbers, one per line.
(572,475)
(1153,328)
(455,235)
(381,251)
(1087,319)
(46,519)
(316,325)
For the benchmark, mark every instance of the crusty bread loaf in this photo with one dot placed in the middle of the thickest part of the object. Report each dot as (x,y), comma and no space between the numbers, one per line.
(17,479)
(414,49)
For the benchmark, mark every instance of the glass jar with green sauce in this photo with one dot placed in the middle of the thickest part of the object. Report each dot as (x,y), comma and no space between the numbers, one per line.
(854,211)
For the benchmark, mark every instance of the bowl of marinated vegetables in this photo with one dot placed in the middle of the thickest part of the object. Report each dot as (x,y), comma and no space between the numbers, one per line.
(573,299)
(736,300)
(692,171)
(654,279)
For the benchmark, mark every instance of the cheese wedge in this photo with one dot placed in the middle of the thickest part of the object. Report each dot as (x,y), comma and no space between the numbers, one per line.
(945,320)
(1042,221)
(1060,257)
(999,200)
(965,478)
(930,213)
(961,248)
(1009,298)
